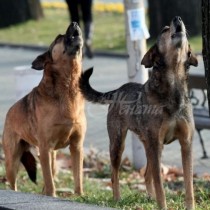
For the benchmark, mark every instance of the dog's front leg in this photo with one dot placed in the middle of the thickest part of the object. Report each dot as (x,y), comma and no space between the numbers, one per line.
(53,163)
(76,149)
(185,137)
(154,155)
(45,160)
(186,149)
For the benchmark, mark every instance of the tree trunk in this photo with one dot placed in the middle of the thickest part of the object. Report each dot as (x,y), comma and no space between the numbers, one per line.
(206,42)
(161,12)
(18,11)
(35,9)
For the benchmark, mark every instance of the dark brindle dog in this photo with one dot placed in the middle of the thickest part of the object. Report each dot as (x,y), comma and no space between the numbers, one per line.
(158,111)
(51,116)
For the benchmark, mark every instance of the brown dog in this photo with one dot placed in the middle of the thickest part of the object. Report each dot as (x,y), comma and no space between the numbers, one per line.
(51,116)
(158,111)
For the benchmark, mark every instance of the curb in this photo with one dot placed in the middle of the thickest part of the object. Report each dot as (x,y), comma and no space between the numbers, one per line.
(97,53)
(10,200)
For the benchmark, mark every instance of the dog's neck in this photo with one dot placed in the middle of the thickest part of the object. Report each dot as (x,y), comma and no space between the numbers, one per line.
(74,72)
(166,79)
(63,82)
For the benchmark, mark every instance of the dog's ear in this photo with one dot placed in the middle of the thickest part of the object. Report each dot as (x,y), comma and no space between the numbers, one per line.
(192,59)
(149,58)
(40,61)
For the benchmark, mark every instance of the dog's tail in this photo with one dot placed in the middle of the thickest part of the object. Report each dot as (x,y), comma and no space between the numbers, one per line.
(93,95)
(29,162)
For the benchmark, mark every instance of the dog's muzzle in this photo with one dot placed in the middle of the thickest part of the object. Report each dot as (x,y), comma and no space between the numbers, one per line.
(73,30)
(73,38)
(177,21)
(178,28)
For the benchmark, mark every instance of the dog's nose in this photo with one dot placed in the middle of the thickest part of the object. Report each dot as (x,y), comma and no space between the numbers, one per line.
(73,27)
(177,19)
(74,24)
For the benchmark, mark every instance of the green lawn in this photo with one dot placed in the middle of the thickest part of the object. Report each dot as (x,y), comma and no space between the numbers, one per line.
(109,31)
(98,190)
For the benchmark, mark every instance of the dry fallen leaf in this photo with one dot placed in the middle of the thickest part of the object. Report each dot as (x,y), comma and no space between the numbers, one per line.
(63,161)
(97,162)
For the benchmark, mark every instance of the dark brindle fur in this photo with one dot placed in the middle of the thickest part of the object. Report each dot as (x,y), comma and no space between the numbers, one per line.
(158,111)
(51,116)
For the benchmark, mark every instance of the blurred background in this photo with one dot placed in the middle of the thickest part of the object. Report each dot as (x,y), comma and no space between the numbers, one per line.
(37,21)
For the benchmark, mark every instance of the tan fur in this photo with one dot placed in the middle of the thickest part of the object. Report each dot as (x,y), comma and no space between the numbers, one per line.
(52,115)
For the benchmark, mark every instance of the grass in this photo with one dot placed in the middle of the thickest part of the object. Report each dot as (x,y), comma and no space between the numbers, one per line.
(109,31)
(106,35)
(98,191)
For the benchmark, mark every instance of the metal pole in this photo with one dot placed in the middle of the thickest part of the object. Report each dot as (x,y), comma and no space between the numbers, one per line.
(206,43)
(136,72)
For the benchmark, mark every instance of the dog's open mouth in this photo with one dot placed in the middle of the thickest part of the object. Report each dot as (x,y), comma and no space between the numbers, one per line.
(73,30)
(76,33)
(73,38)
(178,30)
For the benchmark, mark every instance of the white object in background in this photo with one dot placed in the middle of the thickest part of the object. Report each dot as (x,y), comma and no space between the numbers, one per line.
(25,80)
(136,48)
(137,25)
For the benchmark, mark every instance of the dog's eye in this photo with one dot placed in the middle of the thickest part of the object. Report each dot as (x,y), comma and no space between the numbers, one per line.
(189,54)
(165,29)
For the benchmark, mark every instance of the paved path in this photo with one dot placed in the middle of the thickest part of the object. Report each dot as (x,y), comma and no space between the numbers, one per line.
(25,201)
(109,73)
